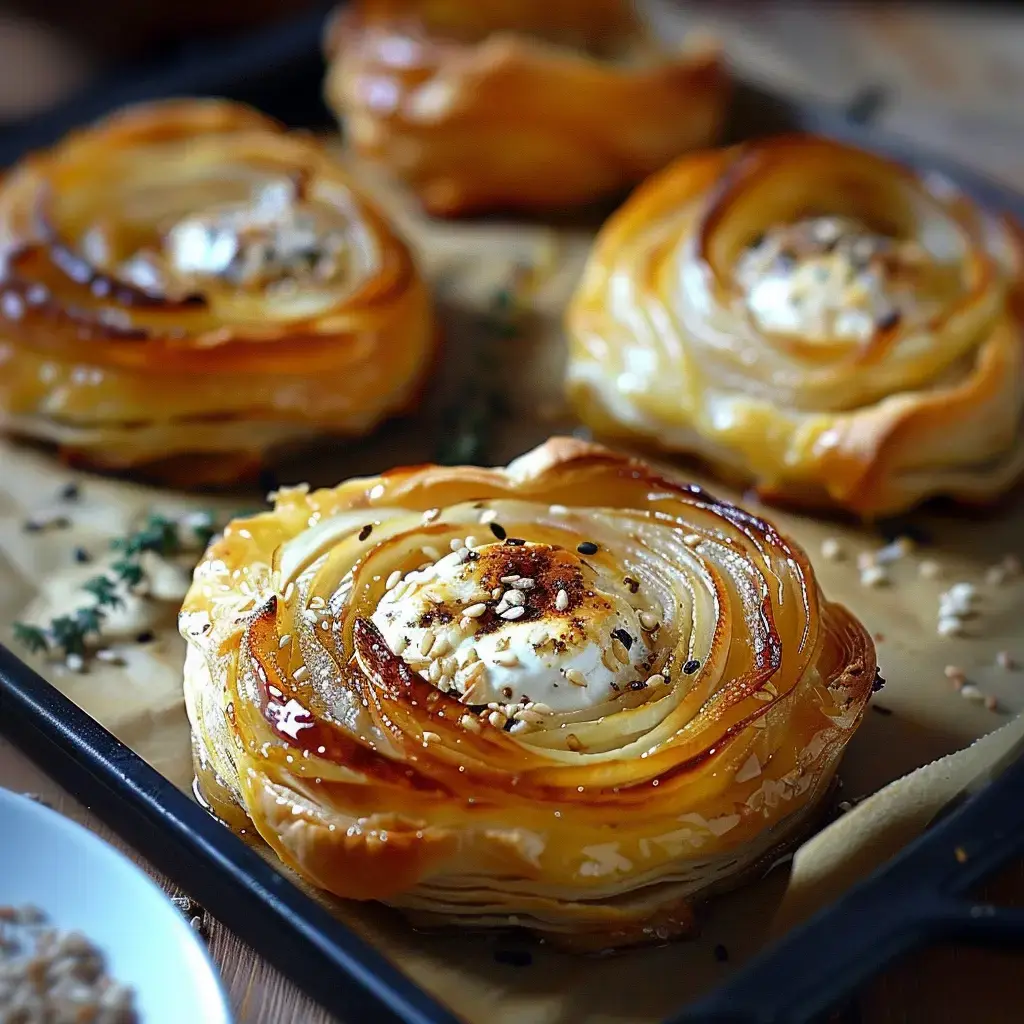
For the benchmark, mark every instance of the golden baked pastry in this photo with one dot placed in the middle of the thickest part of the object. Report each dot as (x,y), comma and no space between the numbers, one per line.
(187,286)
(571,694)
(517,104)
(813,319)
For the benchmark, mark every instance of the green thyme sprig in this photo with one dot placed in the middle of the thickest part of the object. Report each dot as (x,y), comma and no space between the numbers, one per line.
(67,634)
(467,426)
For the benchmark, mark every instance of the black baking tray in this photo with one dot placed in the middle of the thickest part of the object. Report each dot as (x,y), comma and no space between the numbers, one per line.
(917,898)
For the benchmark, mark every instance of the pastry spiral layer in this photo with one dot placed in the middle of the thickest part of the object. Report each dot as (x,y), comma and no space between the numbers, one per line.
(517,104)
(815,319)
(186,285)
(573,694)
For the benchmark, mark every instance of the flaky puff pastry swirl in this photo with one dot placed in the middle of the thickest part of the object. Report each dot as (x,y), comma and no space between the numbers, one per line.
(571,694)
(517,104)
(811,318)
(186,286)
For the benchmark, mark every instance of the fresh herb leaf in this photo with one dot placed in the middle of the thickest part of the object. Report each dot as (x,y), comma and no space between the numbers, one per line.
(128,570)
(104,589)
(31,637)
(68,635)
(90,619)
(159,535)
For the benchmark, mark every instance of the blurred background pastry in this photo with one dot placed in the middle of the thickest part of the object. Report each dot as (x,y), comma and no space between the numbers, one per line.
(189,288)
(517,104)
(812,319)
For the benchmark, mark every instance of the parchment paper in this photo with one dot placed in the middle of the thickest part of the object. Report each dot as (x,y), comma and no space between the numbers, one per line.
(141,701)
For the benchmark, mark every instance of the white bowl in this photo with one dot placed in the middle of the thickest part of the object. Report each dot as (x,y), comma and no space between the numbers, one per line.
(82,883)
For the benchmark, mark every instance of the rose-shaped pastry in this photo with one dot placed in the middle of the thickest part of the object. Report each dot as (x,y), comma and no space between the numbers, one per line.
(187,286)
(517,104)
(572,694)
(811,318)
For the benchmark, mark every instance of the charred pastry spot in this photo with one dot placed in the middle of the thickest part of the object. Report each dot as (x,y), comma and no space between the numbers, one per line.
(634,585)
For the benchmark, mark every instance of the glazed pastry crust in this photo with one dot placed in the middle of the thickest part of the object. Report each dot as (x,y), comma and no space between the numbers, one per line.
(129,359)
(517,104)
(663,348)
(600,827)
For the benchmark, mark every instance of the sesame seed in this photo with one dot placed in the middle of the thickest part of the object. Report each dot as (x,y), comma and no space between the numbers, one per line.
(456,543)
(648,621)
(449,666)
(317,602)
(955,674)
(950,625)
(474,611)
(1004,660)
(509,659)
(434,672)
(831,549)
(561,601)
(524,584)
(691,540)
(441,647)
(623,637)
(300,673)
(431,514)
(109,656)
(469,723)
(513,613)
(400,644)
(691,666)
(488,516)
(620,651)
(498,530)
(497,719)
(288,591)
(514,597)
(609,661)
(587,547)
(427,642)
(572,741)
(971,692)
(656,680)
(284,641)
(445,683)
(366,531)
(510,579)
(431,737)
(541,708)
(530,716)
(929,569)
(431,552)
(576,677)
(393,580)
(497,592)
(874,576)
(559,510)
(75,662)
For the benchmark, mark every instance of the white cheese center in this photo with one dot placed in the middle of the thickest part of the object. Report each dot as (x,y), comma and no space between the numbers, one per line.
(575,644)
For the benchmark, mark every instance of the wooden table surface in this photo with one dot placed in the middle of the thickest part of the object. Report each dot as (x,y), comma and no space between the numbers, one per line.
(953,81)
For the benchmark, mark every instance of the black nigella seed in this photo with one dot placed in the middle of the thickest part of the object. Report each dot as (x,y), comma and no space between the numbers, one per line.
(623,637)
(721,953)
(32,526)
(70,492)
(82,556)
(588,547)
(366,531)
(691,666)
(514,957)
(638,684)
(516,542)
(498,530)
(634,585)
(145,637)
